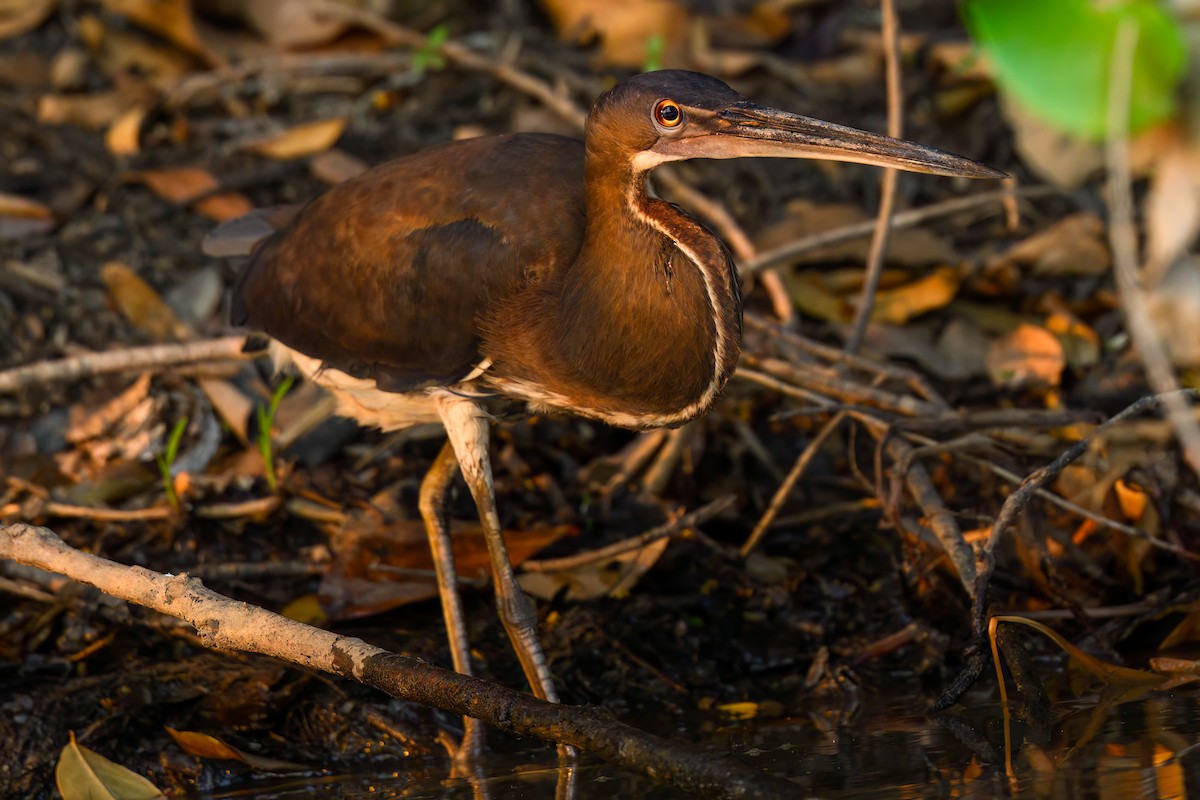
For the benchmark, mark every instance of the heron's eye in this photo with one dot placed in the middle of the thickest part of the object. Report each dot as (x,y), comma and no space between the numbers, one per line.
(668,114)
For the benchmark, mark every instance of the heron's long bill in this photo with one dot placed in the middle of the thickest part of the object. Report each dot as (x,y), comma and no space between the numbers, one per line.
(748,130)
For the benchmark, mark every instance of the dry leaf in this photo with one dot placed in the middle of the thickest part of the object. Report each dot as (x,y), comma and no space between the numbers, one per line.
(813,298)
(610,578)
(1029,355)
(124,135)
(626,28)
(1081,344)
(1175,310)
(923,295)
(336,166)
(184,184)
(14,205)
(20,217)
(381,565)
(24,70)
(1130,499)
(19,17)
(121,54)
(204,746)
(140,304)
(1172,207)
(89,423)
(170,19)
(291,23)
(84,774)
(954,353)
(95,111)
(1061,159)
(1075,245)
(302,140)
(232,406)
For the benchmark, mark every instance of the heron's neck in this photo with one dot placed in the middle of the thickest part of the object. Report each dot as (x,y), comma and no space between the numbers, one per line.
(646,326)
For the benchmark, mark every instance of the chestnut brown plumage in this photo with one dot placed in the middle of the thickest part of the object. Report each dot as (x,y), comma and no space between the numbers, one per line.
(535,267)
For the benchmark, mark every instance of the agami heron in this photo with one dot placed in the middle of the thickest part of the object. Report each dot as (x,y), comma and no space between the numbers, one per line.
(535,267)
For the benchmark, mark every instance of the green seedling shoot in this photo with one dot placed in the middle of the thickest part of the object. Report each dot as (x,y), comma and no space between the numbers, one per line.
(266,423)
(166,460)
(656,45)
(429,57)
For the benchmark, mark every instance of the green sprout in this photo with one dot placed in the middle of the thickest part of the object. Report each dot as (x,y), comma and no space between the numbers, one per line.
(166,461)
(656,45)
(429,55)
(266,423)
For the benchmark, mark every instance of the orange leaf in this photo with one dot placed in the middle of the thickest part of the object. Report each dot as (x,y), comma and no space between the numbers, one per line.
(140,304)
(302,140)
(22,17)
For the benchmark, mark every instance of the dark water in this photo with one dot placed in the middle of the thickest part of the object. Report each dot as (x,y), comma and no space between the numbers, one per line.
(1097,746)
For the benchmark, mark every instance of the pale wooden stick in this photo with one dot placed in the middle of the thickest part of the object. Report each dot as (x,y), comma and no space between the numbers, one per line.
(890,34)
(153,357)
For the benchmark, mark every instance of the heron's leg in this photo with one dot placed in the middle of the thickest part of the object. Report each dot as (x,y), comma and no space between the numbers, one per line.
(432,505)
(467,425)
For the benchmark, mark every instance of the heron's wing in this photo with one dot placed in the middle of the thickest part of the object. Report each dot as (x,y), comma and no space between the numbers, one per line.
(386,276)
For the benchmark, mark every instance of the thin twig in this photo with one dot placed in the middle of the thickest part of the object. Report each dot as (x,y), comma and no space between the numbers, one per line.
(153,357)
(608,552)
(904,219)
(890,33)
(789,483)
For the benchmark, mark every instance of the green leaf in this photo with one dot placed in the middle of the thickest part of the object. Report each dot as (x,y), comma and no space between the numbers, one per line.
(83,774)
(1055,57)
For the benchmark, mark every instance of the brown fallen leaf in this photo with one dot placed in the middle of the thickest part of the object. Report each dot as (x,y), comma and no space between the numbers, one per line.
(291,23)
(1081,344)
(1172,207)
(170,19)
(88,422)
(141,304)
(24,70)
(626,29)
(19,17)
(336,166)
(231,404)
(20,217)
(122,54)
(301,141)
(1075,245)
(953,352)
(93,111)
(923,295)
(185,184)
(202,745)
(1064,160)
(610,578)
(1175,311)
(1030,355)
(382,565)
(124,136)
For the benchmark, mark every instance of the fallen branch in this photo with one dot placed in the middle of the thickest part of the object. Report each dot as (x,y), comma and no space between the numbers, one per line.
(223,623)
(153,357)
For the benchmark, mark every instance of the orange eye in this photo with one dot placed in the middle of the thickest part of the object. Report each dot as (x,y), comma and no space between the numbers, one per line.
(668,114)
